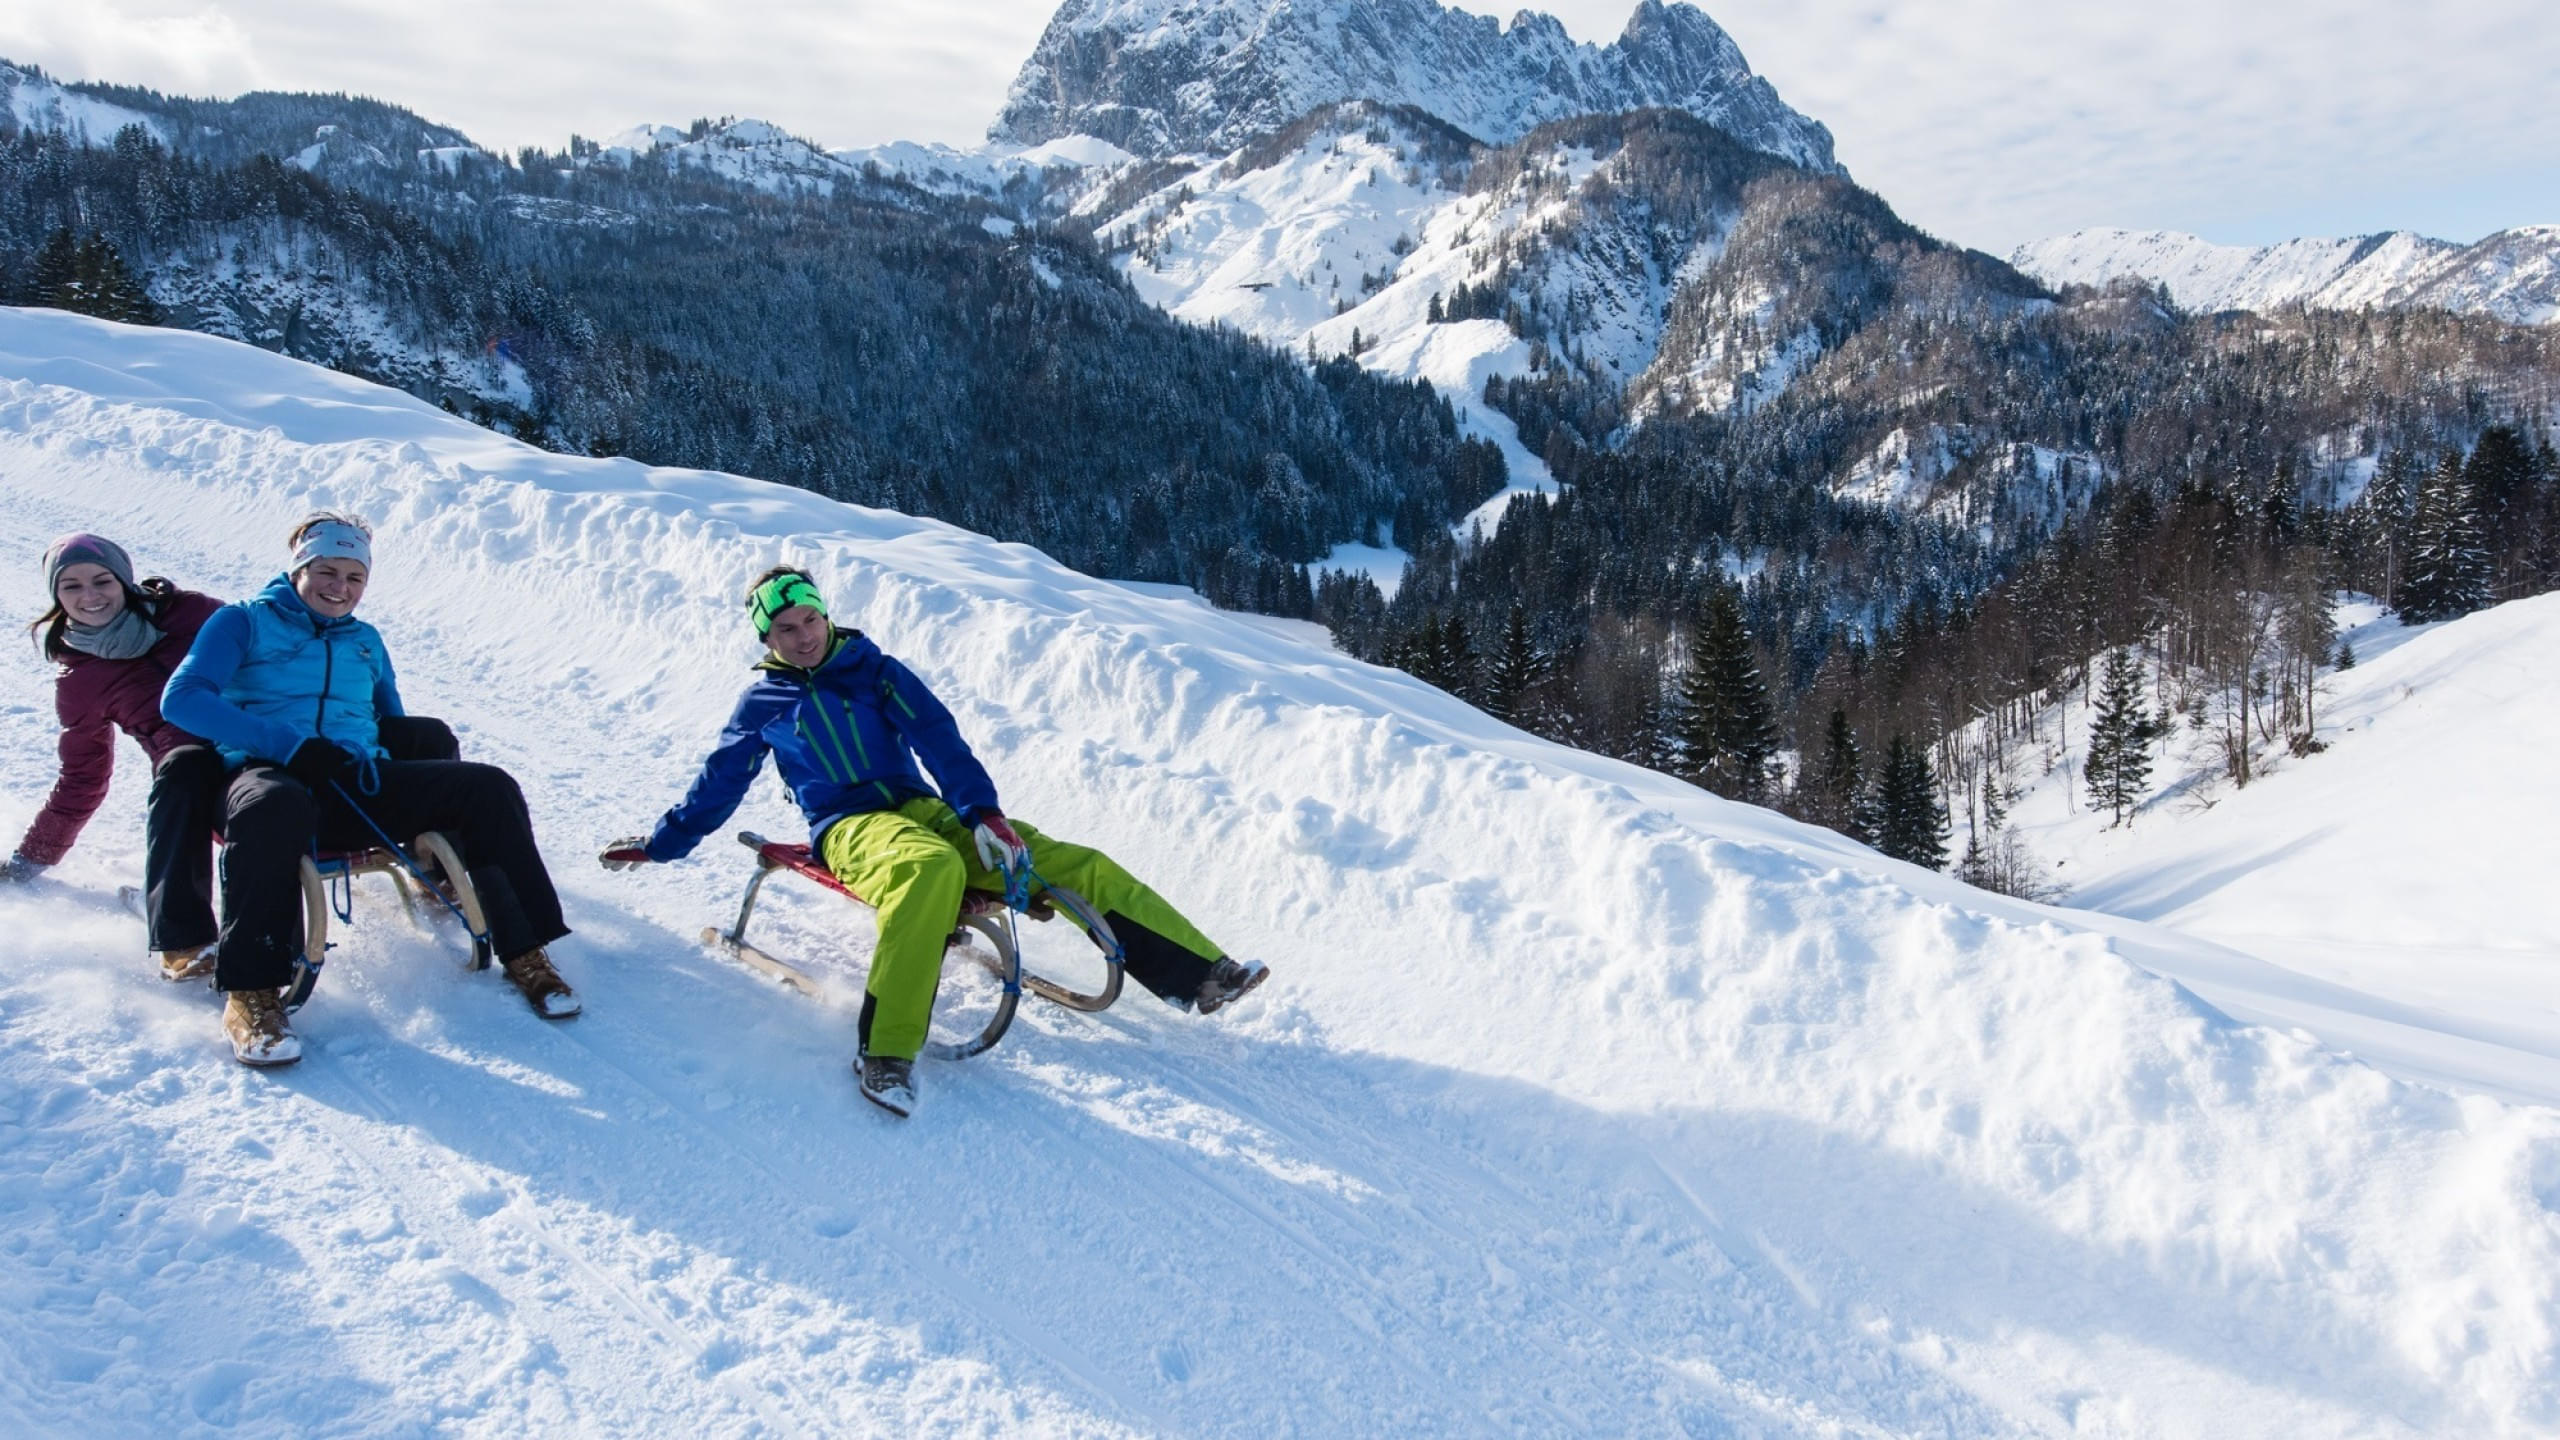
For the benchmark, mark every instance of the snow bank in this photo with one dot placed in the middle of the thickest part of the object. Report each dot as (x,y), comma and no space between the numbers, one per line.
(1583,1102)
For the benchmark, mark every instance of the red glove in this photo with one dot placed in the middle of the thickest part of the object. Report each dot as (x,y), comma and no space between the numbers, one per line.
(999,849)
(628,853)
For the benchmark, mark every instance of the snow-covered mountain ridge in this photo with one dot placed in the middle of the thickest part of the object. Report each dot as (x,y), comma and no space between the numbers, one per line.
(2513,275)
(1175,77)
(1584,1102)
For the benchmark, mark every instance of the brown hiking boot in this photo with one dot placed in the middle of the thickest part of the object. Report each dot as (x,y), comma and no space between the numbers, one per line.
(260,1034)
(190,964)
(550,996)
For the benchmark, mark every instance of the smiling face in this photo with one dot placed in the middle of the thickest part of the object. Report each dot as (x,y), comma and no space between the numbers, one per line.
(800,636)
(90,594)
(330,587)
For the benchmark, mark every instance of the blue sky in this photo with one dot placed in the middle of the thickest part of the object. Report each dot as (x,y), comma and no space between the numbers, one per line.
(1990,122)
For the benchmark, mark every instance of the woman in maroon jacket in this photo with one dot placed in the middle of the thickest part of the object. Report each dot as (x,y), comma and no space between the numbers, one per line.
(117,641)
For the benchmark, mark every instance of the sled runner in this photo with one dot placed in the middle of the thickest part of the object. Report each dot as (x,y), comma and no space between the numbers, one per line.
(338,869)
(328,887)
(984,914)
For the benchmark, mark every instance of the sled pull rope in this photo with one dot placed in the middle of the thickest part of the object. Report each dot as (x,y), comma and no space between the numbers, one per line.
(340,888)
(1018,880)
(417,872)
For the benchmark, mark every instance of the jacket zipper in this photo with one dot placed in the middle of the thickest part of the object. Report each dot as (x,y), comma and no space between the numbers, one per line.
(328,670)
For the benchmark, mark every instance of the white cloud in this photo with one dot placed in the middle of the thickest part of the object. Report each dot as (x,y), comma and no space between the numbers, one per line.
(1997,121)
(191,48)
(1988,121)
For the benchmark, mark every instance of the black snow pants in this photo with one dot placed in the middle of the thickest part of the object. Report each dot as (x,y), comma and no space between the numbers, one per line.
(271,821)
(177,864)
(184,813)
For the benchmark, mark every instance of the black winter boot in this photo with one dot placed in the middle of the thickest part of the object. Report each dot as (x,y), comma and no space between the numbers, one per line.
(889,1083)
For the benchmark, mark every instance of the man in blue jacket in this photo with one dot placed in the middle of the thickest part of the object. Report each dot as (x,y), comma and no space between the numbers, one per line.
(295,692)
(845,724)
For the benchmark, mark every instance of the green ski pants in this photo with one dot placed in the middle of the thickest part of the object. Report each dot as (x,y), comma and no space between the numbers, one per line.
(913,863)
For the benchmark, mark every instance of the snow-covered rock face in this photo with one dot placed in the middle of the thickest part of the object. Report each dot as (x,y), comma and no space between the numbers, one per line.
(1168,77)
(2009,491)
(2513,275)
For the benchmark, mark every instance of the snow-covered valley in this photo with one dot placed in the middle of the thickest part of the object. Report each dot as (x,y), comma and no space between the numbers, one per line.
(2393,887)
(1582,1102)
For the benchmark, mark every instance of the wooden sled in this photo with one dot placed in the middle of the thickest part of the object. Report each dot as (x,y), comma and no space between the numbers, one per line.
(339,868)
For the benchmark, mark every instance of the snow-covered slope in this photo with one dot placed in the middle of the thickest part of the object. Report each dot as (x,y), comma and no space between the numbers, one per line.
(2513,275)
(33,102)
(1583,1103)
(1345,237)
(2401,878)
(1175,77)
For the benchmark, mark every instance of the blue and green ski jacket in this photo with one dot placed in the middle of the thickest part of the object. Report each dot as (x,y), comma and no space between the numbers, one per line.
(845,737)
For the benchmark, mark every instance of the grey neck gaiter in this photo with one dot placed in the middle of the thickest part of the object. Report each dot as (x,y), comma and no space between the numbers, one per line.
(126,637)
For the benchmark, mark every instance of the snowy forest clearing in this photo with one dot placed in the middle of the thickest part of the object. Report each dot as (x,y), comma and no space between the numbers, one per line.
(1582,1102)
(2400,876)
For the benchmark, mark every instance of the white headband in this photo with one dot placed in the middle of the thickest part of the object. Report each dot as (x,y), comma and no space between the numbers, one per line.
(333,540)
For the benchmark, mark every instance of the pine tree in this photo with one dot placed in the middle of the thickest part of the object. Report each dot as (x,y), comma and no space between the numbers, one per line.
(1456,666)
(1516,669)
(54,279)
(112,290)
(1836,785)
(1728,731)
(2119,763)
(2448,567)
(2500,474)
(1912,822)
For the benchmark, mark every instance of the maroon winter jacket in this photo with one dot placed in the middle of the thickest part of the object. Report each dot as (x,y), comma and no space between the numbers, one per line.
(96,698)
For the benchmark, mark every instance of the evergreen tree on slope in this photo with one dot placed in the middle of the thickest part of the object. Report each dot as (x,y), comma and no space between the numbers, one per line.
(2501,476)
(2448,567)
(1833,789)
(1911,822)
(1727,729)
(2119,762)
(1517,668)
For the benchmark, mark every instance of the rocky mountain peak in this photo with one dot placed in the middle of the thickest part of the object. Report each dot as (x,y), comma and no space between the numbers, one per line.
(1169,77)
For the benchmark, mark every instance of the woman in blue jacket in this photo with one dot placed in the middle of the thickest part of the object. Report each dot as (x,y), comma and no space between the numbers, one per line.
(294,691)
(845,724)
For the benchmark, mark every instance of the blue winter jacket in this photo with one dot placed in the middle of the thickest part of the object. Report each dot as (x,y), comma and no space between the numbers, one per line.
(845,737)
(267,674)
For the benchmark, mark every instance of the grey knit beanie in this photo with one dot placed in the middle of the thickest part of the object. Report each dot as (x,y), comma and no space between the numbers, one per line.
(87,549)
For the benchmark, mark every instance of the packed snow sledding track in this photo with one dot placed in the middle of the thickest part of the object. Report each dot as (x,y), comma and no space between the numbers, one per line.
(1581,1103)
